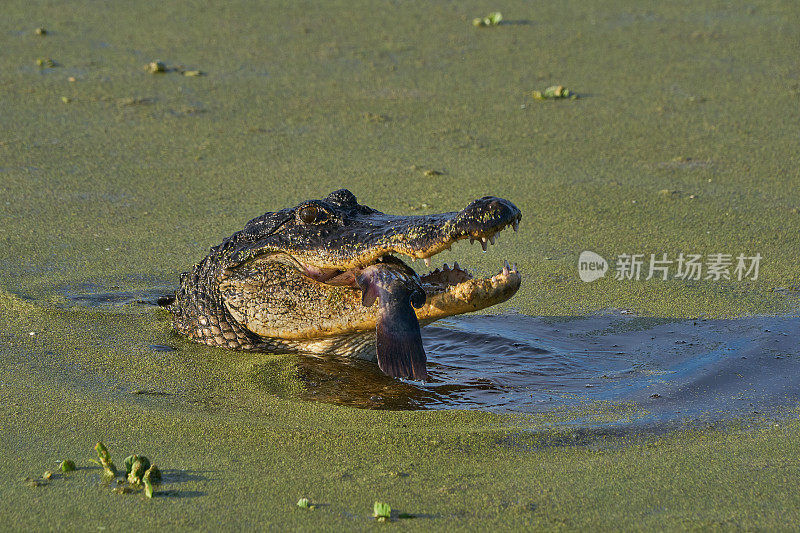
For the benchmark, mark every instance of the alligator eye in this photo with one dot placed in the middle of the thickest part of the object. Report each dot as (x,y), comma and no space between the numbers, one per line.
(309,214)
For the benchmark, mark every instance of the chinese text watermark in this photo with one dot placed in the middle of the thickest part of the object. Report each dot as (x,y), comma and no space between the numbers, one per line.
(712,267)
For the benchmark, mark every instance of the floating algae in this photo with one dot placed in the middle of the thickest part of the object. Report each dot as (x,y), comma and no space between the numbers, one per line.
(492,19)
(554,92)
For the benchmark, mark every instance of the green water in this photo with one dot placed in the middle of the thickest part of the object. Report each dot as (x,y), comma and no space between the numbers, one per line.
(121,179)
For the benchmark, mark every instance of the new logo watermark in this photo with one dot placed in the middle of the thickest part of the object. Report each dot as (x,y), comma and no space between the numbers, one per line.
(712,267)
(591,266)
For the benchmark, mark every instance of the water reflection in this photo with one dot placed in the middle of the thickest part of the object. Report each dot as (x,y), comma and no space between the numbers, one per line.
(675,368)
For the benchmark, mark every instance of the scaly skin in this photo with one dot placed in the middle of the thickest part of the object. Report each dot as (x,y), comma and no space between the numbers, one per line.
(286,282)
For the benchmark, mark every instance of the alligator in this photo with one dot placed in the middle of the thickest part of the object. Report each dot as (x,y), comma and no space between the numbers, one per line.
(325,277)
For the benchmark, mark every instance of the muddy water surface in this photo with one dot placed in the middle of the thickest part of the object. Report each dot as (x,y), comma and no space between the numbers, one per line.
(676,369)
(672,370)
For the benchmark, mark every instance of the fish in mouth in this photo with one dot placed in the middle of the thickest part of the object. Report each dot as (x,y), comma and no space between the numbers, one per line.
(326,277)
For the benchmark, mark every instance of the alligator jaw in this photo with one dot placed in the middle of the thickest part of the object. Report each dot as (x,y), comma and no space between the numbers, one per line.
(418,237)
(447,291)
(364,240)
(484,237)
(455,281)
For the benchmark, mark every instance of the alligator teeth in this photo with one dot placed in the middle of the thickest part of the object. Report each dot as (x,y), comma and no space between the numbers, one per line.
(445,267)
(483,243)
(506,268)
(455,266)
(472,240)
(515,225)
(491,240)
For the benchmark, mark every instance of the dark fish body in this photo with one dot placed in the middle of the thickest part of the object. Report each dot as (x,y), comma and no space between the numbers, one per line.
(398,289)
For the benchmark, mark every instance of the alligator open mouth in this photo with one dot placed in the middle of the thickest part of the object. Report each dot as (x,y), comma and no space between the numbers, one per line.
(308,279)
(454,279)
(398,288)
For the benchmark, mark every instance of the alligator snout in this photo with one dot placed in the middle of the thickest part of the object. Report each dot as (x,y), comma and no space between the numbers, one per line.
(481,216)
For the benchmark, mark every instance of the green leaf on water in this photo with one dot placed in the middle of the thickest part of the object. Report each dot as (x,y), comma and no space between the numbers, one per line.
(554,92)
(105,459)
(148,488)
(382,511)
(152,474)
(305,503)
(138,466)
(131,459)
(492,19)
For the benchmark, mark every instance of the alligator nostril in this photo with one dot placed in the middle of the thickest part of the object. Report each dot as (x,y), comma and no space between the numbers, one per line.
(497,207)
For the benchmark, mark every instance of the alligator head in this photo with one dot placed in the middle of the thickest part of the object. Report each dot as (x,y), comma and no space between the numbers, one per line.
(326,277)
